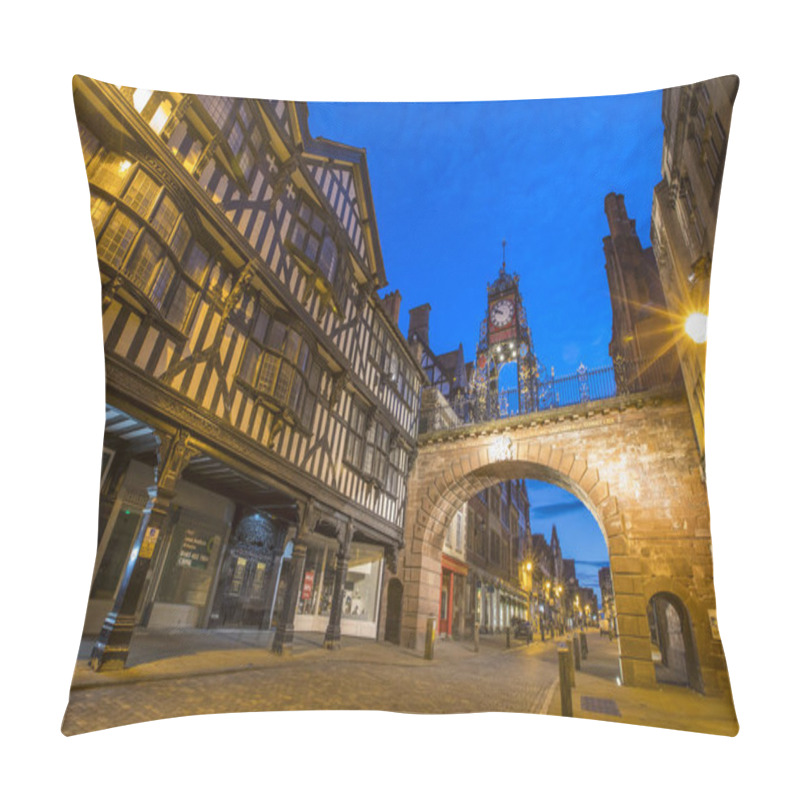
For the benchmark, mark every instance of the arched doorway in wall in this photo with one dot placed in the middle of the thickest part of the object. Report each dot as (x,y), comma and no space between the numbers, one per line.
(674,648)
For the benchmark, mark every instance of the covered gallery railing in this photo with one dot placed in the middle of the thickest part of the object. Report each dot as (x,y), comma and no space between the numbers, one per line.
(622,378)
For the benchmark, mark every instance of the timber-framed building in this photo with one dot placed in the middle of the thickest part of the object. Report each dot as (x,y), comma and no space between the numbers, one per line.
(261,403)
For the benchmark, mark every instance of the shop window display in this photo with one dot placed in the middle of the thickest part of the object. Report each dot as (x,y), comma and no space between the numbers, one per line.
(361,589)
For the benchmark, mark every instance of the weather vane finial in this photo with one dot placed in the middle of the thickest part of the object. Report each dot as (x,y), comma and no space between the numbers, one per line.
(504,255)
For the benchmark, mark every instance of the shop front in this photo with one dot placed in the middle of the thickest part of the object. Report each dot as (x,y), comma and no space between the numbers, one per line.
(180,583)
(452,597)
(361,591)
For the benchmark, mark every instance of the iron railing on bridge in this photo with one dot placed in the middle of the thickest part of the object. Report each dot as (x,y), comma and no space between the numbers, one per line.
(586,385)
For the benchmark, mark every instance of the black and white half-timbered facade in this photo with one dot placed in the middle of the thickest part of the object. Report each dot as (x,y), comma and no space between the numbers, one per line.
(261,403)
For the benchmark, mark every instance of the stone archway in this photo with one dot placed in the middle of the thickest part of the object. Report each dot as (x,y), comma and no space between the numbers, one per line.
(635,467)
(673,634)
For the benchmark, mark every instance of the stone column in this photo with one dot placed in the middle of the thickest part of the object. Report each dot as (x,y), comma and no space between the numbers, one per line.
(333,633)
(284,633)
(113,645)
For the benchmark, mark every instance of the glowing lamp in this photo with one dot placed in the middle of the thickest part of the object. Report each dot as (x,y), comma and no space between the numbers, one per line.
(695,327)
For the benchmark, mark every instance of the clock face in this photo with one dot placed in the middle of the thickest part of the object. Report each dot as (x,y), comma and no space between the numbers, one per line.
(501,313)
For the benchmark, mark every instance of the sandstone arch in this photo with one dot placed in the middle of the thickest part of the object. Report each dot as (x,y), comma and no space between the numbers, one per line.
(634,464)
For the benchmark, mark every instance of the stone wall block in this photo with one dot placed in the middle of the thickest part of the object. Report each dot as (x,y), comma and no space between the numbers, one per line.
(638,647)
(633,604)
(628,584)
(599,493)
(633,625)
(578,470)
(626,564)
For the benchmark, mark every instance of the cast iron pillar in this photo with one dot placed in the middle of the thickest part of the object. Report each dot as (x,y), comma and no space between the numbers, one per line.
(284,633)
(111,650)
(333,633)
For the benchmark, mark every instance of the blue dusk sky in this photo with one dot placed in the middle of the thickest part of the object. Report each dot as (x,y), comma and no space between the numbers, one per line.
(451,181)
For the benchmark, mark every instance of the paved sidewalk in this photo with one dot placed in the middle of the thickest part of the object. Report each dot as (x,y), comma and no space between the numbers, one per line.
(181,653)
(598,695)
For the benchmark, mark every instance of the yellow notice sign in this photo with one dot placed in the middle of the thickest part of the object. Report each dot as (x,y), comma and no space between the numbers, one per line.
(148,543)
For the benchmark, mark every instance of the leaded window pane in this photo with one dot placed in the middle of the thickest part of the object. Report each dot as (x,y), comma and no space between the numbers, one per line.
(181,304)
(116,240)
(298,235)
(99,209)
(260,327)
(140,268)
(196,262)
(368,454)
(312,245)
(292,345)
(111,172)
(244,113)
(328,258)
(277,334)
(180,238)
(165,217)
(269,369)
(236,138)
(246,161)
(284,382)
(158,291)
(218,107)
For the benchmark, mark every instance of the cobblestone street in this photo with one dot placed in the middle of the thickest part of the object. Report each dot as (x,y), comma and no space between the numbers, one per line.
(359,676)
(226,672)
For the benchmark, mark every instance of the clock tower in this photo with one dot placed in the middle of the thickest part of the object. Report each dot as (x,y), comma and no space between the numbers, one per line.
(505,340)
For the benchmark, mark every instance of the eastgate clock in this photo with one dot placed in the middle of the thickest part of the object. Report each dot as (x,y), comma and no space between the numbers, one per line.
(501,313)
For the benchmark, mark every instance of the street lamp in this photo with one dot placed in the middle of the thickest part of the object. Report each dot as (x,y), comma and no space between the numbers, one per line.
(695,327)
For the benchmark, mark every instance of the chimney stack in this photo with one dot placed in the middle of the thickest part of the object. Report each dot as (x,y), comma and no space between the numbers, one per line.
(418,323)
(391,303)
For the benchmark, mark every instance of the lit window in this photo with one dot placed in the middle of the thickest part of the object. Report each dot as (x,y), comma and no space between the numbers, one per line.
(116,239)
(141,193)
(111,172)
(99,208)
(161,116)
(165,217)
(140,98)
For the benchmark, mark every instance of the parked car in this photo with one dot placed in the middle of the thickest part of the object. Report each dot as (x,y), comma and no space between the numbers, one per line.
(522,629)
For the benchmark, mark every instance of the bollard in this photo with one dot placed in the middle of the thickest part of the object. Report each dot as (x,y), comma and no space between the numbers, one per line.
(477,637)
(541,630)
(430,635)
(584,646)
(576,647)
(568,646)
(564,681)
(508,636)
